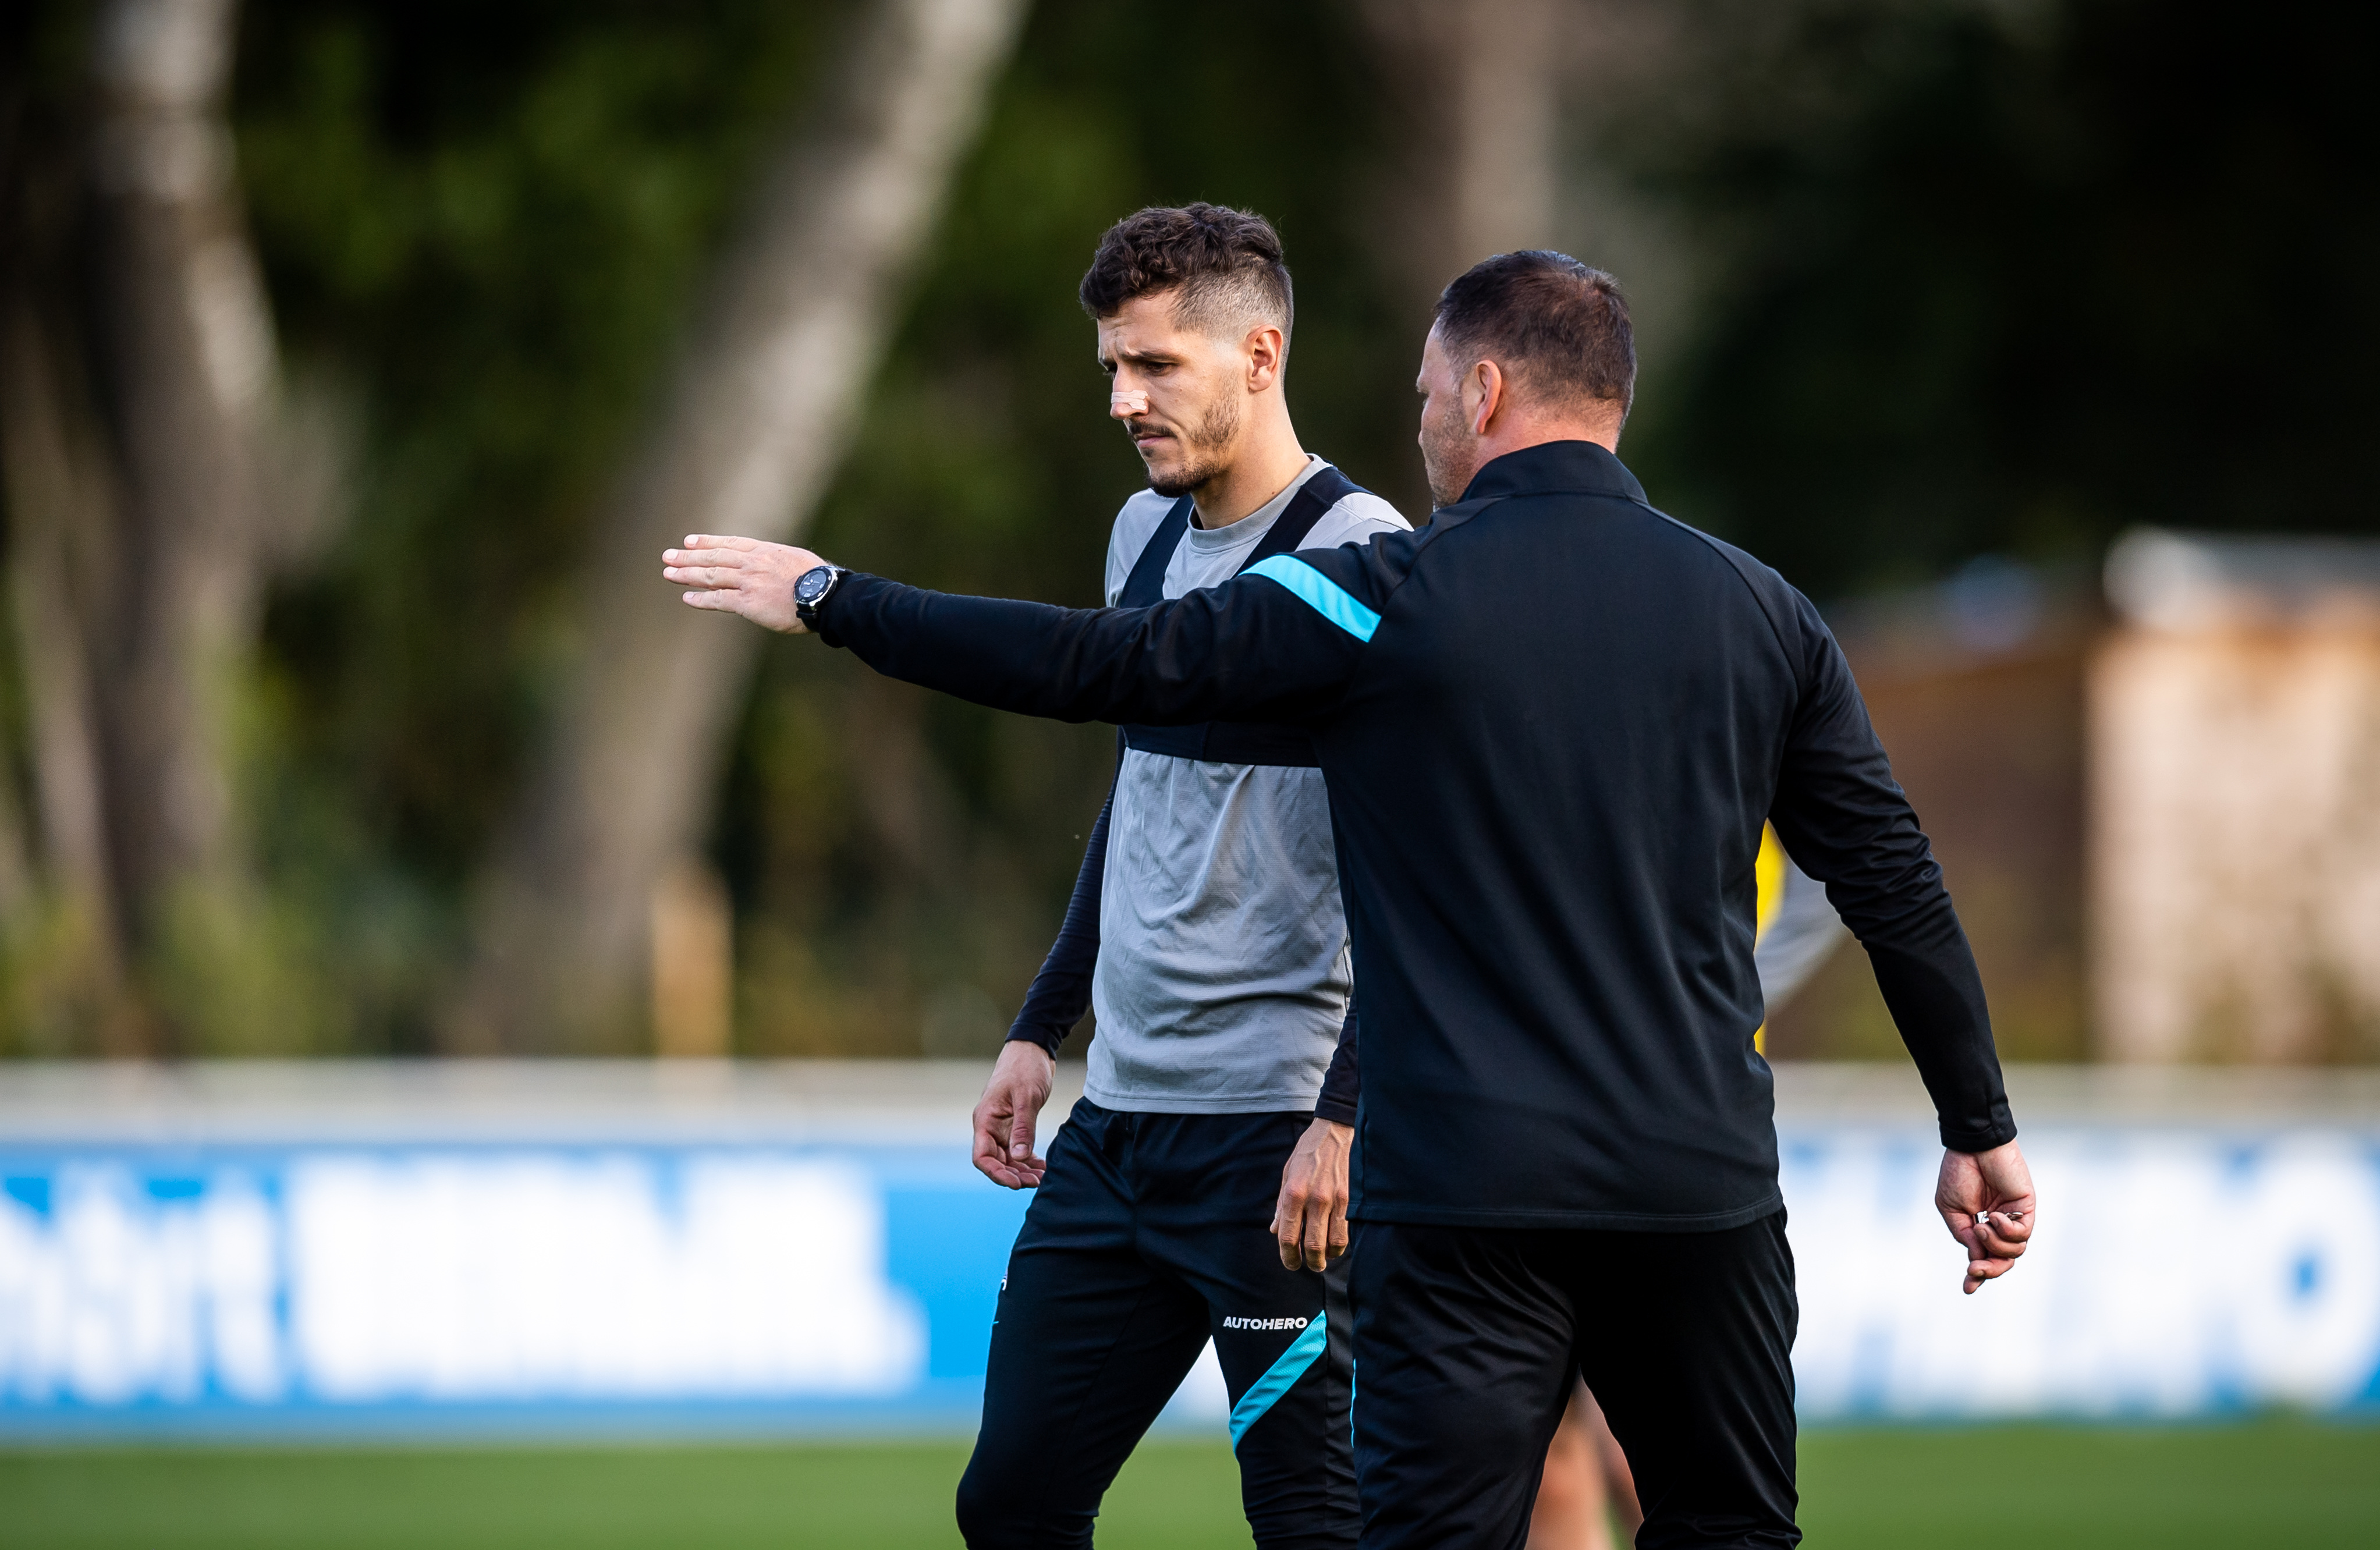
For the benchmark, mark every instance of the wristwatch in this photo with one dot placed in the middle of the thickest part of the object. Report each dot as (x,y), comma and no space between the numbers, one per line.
(811,588)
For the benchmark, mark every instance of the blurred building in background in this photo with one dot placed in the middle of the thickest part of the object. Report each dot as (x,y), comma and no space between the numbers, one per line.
(2159,815)
(2235,801)
(1976,687)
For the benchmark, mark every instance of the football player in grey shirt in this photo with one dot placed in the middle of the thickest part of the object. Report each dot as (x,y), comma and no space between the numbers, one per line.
(1206,935)
(1207,931)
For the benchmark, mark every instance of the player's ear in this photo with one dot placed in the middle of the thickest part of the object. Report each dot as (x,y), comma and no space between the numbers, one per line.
(1265,347)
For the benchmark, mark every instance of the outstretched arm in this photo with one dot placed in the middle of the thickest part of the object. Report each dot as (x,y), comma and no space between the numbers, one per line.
(1251,649)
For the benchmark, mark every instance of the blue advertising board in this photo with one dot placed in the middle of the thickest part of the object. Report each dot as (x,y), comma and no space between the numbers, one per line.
(229,1289)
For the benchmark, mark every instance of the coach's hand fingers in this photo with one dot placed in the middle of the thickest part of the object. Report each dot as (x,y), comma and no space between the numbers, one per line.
(1987,1200)
(1309,1219)
(1326,1232)
(1303,1234)
(2003,1234)
(1289,1216)
(1985,1270)
(1986,1261)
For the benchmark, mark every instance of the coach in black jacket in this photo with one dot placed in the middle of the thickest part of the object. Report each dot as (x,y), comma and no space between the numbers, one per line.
(1551,722)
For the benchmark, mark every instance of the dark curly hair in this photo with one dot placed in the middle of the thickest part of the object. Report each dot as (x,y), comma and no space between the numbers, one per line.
(1558,326)
(1223,264)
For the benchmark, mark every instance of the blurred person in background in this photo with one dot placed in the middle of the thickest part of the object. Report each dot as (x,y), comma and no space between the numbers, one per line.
(1207,931)
(1553,723)
(1586,1491)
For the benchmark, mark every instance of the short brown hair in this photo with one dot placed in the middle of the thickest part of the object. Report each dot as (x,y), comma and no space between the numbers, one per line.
(1224,265)
(1561,327)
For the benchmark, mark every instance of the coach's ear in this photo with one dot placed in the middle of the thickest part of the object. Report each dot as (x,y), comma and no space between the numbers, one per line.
(1486,395)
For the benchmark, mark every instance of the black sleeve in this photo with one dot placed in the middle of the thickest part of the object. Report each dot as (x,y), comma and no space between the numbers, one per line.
(1846,822)
(1247,650)
(1342,1082)
(1061,991)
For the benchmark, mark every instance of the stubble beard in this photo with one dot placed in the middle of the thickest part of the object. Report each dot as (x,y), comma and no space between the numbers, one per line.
(1445,451)
(1205,452)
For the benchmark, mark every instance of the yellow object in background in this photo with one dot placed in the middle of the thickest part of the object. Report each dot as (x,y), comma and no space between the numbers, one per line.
(1768,872)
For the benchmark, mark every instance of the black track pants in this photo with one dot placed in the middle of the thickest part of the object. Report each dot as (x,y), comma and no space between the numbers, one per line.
(1466,1339)
(1151,1233)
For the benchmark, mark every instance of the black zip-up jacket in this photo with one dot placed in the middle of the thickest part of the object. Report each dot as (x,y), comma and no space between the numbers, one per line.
(1551,722)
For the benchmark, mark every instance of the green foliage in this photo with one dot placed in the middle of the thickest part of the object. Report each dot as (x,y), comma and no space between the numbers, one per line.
(1979,277)
(495,233)
(895,856)
(2014,277)
(490,224)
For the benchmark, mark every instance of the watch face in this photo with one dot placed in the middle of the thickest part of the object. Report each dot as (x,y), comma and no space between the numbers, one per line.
(812,584)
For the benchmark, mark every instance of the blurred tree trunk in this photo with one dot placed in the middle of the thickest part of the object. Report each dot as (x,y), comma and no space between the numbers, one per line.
(756,420)
(1478,91)
(58,484)
(137,389)
(189,365)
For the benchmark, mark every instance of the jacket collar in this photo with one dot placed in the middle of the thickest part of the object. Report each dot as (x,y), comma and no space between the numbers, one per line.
(1567,467)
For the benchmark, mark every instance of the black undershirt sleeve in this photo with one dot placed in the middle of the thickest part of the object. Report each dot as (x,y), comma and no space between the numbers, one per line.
(1846,822)
(1061,993)
(1342,1083)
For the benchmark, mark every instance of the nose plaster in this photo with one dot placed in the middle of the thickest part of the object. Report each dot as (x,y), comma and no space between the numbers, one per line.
(1128,403)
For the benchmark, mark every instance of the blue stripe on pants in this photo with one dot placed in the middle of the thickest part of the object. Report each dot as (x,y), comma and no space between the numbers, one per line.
(1286,1370)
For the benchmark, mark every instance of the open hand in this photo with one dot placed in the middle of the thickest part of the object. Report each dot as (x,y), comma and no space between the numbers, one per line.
(1005,1116)
(748,577)
(1310,1219)
(1986,1199)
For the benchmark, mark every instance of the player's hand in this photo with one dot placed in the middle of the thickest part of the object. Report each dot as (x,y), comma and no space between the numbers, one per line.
(1987,1200)
(1004,1119)
(1310,1218)
(742,576)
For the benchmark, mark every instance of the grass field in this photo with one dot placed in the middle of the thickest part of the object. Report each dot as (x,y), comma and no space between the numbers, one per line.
(2266,1485)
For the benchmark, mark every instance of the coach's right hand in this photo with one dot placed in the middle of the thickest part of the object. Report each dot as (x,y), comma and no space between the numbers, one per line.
(1987,1200)
(1310,1219)
(1004,1119)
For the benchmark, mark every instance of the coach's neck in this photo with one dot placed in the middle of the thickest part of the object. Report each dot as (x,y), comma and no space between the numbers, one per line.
(1508,417)
(1479,412)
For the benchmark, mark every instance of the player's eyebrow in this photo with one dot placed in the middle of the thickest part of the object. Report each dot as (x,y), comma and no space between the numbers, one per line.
(1108,359)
